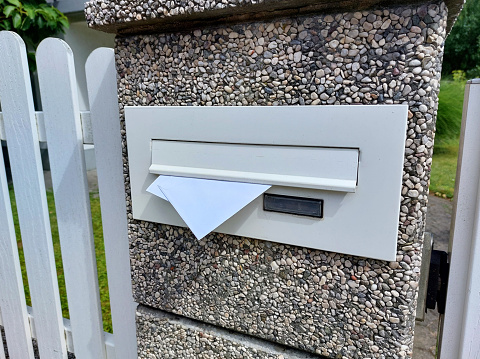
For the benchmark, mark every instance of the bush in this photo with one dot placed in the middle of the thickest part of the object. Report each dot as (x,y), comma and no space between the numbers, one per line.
(462,47)
(33,20)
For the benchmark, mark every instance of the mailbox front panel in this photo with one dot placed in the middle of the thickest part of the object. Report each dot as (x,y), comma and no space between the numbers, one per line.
(330,154)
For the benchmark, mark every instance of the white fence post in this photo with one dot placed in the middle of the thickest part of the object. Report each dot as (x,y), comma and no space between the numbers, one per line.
(58,87)
(102,94)
(12,295)
(29,186)
(461,324)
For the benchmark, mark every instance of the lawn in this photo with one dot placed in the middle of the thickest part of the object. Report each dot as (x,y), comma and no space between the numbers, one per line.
(444,167)
(445,151)
(99,249)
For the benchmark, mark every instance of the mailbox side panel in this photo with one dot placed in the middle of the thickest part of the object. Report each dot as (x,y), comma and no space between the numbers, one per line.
(320,302)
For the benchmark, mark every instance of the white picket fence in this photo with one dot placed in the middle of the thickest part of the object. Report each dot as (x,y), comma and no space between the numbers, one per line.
(66,130)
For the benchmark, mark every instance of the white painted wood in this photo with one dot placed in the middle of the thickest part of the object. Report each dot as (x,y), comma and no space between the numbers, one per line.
(33,330)
(109,342)
(461,323)
(22,137)
(86,127)
(12,295)
(333,169)
(110,345)
(64,133)
(102,94)
(40,127)
(69,335)
(364,223)
(42,135)
(3,137)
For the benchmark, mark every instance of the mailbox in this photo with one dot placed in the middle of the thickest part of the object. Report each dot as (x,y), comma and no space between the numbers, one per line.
(335,171)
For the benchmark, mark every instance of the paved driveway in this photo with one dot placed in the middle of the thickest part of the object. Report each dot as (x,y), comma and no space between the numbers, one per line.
(438,223)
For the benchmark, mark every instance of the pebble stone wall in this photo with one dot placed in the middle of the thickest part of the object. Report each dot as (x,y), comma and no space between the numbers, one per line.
(170,333)
(117,15)
(330,304)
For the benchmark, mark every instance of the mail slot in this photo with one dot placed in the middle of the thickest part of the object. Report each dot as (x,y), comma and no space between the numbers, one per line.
(332,169)
(331,155)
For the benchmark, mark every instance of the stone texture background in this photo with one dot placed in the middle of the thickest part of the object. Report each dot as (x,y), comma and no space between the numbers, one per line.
(163,336)
(325,303)
(139,16)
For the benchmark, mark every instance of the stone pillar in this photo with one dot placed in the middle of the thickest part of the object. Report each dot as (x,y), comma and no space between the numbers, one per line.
(232,297)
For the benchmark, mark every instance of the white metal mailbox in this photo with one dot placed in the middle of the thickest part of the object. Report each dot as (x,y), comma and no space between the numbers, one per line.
(349,158)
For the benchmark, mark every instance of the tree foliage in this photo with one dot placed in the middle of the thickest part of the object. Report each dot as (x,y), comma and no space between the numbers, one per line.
(462,47)
(33,20)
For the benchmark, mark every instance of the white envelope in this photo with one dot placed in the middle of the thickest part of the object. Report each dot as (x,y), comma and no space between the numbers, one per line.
(205,204)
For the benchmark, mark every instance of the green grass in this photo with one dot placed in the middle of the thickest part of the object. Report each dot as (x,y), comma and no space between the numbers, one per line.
(445,152)
(444,168)
(450,107)
(99,249)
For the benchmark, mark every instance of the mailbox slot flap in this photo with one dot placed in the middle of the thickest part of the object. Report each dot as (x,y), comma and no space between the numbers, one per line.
(333,169)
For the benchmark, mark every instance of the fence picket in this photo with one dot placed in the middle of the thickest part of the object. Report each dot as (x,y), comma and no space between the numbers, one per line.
(29,186)
(461,322)
(64,134)
(12,295)
(102,94)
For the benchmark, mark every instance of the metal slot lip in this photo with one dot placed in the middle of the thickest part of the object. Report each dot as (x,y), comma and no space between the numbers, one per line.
(320,168)
(259,178)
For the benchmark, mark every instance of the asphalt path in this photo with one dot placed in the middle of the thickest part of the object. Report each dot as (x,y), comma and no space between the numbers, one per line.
(439,216)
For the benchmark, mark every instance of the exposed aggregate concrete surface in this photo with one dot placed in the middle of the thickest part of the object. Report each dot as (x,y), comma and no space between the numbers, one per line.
(140,15)
(163,335)
(335,305)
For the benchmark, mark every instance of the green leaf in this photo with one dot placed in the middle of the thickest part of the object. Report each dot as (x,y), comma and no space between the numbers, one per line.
(6,25)
(26,24)
(40,22)
(64,22)
(15,2)
(17,20)
(30,11)
(34,20)
(47,12)
(8,10)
